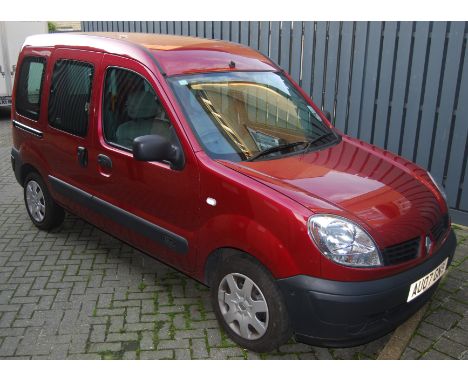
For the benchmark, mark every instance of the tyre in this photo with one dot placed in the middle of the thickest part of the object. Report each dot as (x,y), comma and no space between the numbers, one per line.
(42,209)
(249,305)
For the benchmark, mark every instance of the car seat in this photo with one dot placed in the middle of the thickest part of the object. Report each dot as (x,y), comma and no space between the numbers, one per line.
(144,112)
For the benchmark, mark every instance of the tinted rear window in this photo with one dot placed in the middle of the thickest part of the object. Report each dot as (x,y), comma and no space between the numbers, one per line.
(28,93)
(70,94)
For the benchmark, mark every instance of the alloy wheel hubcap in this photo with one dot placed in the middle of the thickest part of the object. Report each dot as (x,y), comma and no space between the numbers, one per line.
(35,201)
(243,306)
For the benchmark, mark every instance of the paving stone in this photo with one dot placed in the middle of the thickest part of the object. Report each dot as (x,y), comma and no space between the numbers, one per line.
(463,323)
(279,357)
(146,342)
(348,353)
(458,335)
(160,354)
(420,343)
(252,356)
(116,337)
(164,332)
(84,356)
(9,346)
(435,355)
(455,306)
(147,306)
(430,331)
(214,337)
(182,354)
(307,356)
(173,344)
(295,348)
(171,309)
(139,326)
(129,355)
(443,318)
(133,315)
(78,343)
(116,323)
(224,353)
(410,354)
(105,347)
(179,322)
(199,348)
(451,348)
(195,333)
(59,351)
(208,324)
(322,353)
(373,349)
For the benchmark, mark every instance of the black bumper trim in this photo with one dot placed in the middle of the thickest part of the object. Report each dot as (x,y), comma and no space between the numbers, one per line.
(334,313)
(16,163)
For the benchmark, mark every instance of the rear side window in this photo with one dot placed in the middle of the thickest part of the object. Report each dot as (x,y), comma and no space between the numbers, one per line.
(70,94)
(28,93)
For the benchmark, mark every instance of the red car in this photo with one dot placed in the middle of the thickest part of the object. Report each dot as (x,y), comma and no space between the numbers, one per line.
(206,155)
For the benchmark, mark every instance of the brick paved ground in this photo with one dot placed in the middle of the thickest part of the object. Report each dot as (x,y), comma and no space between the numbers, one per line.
(443,332)
(78,293)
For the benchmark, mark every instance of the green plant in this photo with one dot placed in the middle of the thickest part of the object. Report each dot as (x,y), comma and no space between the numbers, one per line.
(51,26)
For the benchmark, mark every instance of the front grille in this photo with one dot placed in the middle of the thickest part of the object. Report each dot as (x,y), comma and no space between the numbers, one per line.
(402,252)
(438,230)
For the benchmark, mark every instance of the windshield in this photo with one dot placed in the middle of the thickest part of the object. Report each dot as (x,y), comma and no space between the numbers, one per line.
(242,116)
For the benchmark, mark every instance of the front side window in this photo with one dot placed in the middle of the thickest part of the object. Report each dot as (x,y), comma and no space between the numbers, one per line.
(70,95)
(131,109)
(241,115)
(28,93)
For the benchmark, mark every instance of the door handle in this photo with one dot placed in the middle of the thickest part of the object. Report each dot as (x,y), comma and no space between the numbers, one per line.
(104,161)
(82,156)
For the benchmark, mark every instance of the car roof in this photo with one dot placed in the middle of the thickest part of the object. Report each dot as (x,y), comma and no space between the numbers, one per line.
(174,55)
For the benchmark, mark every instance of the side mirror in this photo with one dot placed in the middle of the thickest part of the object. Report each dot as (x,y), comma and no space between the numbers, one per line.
(327,115)
(155,148)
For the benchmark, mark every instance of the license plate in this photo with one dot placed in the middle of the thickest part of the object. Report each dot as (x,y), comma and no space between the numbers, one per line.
(419,287)
(5,101)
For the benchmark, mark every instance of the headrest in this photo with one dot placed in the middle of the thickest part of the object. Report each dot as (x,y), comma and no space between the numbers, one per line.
(142,105)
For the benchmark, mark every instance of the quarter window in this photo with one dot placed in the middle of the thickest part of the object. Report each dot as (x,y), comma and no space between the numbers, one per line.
(28,93)
(131,109)
(70,94)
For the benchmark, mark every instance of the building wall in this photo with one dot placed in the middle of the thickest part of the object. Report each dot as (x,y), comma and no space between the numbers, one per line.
(402,86)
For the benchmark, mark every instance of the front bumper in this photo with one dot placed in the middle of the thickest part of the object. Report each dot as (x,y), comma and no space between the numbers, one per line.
(336,314)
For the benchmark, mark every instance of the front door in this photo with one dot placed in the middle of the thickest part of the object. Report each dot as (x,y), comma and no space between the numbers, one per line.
(156,206)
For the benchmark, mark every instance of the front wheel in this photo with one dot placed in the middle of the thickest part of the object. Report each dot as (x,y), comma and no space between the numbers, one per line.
(249,305)
(42,209)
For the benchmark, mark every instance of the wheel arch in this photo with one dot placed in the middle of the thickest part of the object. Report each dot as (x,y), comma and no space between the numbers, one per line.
(25,170)
(220,254)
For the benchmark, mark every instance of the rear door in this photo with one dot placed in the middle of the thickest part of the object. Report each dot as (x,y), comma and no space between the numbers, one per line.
(28,113)
(71,93)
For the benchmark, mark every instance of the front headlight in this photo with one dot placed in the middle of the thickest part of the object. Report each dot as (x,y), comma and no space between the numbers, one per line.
(438,186)
(343,241)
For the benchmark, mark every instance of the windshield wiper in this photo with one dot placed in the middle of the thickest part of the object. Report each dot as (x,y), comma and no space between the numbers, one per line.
(307,146)
(313,141)
(277,148)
